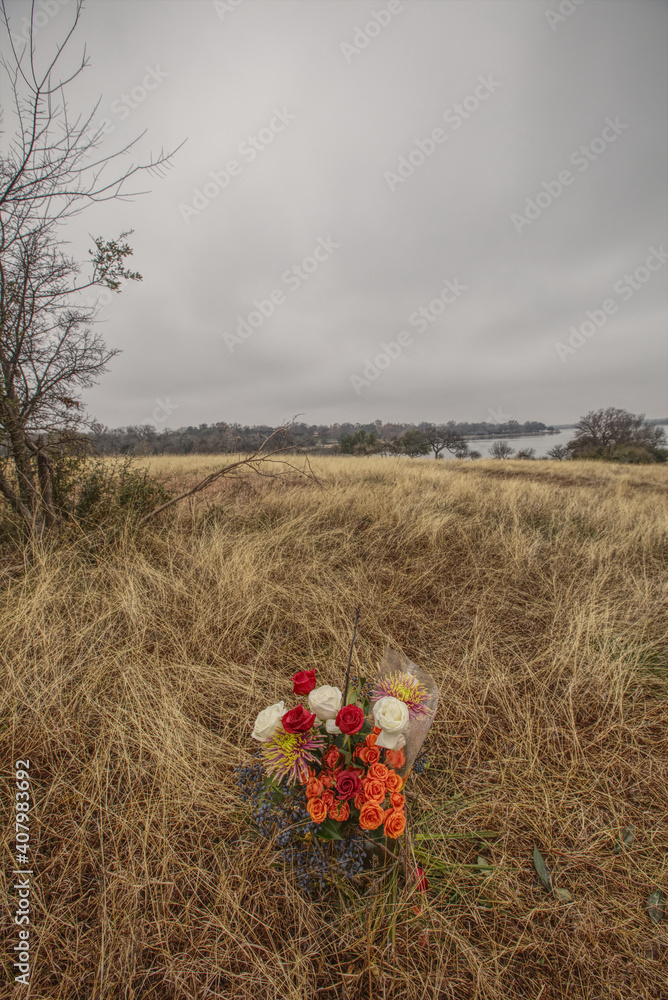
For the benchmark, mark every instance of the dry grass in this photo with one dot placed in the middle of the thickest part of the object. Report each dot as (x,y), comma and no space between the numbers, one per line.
(535,592)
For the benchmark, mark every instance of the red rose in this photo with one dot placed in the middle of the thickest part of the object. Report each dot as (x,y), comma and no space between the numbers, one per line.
(303,682)
(298,720)
(348,784)
(350,719)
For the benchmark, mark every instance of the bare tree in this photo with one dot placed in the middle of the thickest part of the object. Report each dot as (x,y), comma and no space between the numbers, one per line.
(559,452)
(49,172)
(611,428)
(442,437)
(501,449)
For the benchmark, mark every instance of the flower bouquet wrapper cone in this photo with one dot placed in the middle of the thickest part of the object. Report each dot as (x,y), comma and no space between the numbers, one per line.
(392,666)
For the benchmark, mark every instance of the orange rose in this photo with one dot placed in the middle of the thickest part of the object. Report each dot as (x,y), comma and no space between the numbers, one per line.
(395,758)
(331,758)
(359,750)
(317,810)
(314,788)
(371,816)
(371,738)
(339,811)
(378,771)
(328,779)
(359,800)
(374,790)
(395,823)
(397,801)
(393,782)
(328,798)
(372,756)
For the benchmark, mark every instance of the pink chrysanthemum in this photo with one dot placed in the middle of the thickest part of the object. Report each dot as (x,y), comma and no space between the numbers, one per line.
(288,755)
(406,688)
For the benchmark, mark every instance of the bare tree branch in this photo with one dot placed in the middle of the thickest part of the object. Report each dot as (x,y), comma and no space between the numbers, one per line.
(253,462)
(50,172)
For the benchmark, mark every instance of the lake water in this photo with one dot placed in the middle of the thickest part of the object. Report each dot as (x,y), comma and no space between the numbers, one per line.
(541,443)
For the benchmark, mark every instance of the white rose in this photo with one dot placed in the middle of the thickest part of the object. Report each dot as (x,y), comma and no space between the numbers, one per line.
(391,741)
(325,701)
(391,715)
(268,721)
(332,728)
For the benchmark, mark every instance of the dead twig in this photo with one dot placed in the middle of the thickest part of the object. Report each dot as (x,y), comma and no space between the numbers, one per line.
(252,462)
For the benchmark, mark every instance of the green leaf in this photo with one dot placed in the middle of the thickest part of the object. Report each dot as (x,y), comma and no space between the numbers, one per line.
(656,906)
(484,865)
(541,868)
(563,894)
(625,839)
(329,830)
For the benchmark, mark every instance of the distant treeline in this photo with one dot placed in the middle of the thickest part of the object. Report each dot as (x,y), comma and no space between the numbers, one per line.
(146,439)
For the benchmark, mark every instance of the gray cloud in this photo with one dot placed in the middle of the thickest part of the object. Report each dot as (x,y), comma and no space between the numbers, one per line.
(324,174)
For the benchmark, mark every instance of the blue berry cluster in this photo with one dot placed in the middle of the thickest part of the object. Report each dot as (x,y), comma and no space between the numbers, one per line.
(421,764)
(312,863)
(250,779)
(277,809)
(311,859)
(351,856)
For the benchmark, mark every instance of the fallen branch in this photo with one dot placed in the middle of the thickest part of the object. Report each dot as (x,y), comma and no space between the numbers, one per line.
(252,462)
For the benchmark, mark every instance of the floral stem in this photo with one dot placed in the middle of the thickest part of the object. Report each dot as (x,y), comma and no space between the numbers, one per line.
(350,656)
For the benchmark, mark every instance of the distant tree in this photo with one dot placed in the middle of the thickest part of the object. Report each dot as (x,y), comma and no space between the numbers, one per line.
(360,443)
(501,449)
(414,443)
(526,453)
(442,437)
(617,435)
(473,454)
(559,452)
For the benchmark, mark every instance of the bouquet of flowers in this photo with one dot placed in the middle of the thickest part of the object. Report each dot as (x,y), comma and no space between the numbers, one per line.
(333,769)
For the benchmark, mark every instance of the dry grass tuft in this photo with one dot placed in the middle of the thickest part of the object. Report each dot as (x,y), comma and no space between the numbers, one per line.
(535,592)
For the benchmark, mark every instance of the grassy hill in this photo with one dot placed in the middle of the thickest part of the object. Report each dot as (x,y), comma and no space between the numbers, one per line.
(131,674)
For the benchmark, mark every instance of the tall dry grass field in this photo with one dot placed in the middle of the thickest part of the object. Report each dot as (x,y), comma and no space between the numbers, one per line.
(537,595)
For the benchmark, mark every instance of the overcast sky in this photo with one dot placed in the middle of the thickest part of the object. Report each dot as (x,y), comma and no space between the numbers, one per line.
(445,210)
